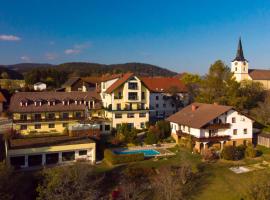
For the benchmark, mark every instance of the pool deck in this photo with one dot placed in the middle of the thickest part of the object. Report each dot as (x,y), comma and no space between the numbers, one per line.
(162,149)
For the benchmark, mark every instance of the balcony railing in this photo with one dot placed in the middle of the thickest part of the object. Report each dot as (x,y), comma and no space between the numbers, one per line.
(218,126)
(48,120)
(216,138)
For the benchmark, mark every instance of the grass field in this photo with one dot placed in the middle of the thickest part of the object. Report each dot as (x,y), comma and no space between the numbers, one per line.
(218,182)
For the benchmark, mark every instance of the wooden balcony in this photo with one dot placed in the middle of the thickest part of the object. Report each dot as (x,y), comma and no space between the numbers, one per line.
(218,126)
(48,120)
(217,138)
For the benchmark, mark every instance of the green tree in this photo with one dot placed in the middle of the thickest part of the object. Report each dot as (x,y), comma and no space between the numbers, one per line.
(262,111)
(4,75)
(192,81)
(164,129)
(152,136)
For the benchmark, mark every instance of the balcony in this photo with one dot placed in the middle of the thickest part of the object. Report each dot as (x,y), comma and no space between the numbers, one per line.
(48,120)
(218,126)
(216,138)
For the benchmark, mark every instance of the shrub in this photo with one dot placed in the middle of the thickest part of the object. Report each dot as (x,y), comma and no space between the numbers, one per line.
(250,151)
(152,136)
(233,153)
(114,159)
(209,154)
(228,152)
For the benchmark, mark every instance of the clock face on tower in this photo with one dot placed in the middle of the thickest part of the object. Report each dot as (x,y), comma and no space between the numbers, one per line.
(244,63)
(236,63)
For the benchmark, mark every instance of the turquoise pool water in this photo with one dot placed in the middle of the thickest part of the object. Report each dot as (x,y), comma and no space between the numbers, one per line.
(146,152)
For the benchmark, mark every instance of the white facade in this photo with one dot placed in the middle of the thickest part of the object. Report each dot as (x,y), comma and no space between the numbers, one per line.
(40,86)
(241,127)
(240,70)
(162,105)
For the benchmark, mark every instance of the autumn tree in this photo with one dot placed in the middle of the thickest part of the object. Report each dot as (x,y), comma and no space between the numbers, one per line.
(69,183)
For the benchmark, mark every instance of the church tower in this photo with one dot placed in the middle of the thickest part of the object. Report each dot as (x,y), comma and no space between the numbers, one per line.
(239,66)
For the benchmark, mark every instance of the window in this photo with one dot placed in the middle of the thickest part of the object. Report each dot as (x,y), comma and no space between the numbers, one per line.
(82,152)
(143,95)
(157,105)
(132,96)
(107,127)
(23,117)
(244,142)
(156,113)
(235,131)
(23,127)
(245,131)
(78,114)
(37,126)
(142,125)
(142,115)
(233,120)
(51,116)
(130,125)
(132,86)
(68,156)
(118,106)
(118,115)
(65,115)
(142,106)
(130,115)
(234,143)
(65,125)
(37,116)
(100,127)
(164,105)
(51,125)
(172,105)
(157,97)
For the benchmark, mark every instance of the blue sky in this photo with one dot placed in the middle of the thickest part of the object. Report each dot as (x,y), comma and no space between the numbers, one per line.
(182,35)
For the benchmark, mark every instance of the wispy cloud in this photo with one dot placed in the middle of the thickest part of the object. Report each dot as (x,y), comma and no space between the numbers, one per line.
(51,56)
(77,48)
(9,38)
(72,51)
(25,59)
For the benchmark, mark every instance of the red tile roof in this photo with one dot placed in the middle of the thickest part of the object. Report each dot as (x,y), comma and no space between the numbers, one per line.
(203,114)
(164,84)
(2,97)
(259,74)
(31,97)
(119,82)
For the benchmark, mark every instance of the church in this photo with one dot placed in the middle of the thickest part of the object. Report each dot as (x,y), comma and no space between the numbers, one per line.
(241,71)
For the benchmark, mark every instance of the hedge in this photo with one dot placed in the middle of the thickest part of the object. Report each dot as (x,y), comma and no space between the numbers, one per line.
(114,159)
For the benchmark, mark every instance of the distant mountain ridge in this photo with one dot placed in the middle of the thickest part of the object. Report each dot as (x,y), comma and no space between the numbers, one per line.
(88,69)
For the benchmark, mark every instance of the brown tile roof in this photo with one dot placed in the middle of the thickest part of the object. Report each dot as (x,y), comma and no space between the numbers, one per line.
(2,97)
(47,141)
(119,82)
(71,81)
(31,97)
(259,74)
(199,117)
(164,84)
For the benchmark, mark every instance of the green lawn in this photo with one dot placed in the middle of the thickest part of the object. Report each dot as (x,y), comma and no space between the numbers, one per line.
(217,183)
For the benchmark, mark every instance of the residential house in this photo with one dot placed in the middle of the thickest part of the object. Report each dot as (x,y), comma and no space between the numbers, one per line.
(40,86)
(211,125)
(49,112)
(167,96)
(126,100)
(79,84)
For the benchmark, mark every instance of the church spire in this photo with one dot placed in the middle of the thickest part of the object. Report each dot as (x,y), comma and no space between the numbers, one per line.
(240,54)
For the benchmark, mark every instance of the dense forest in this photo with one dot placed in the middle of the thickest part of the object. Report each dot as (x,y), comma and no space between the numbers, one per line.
(55,75)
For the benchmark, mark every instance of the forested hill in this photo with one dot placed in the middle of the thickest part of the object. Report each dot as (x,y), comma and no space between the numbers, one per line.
(89,69)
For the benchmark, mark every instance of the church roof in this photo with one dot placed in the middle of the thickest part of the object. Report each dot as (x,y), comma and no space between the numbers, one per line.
(259,74)
(239,54)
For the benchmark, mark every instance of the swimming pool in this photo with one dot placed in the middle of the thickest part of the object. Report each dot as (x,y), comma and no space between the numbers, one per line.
(146,152)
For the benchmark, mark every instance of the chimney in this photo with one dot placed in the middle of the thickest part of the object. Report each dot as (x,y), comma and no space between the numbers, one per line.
(193,107)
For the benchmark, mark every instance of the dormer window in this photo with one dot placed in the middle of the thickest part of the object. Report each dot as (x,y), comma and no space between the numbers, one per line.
(38,102)
(66,101)
(51,102)
(24,102)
